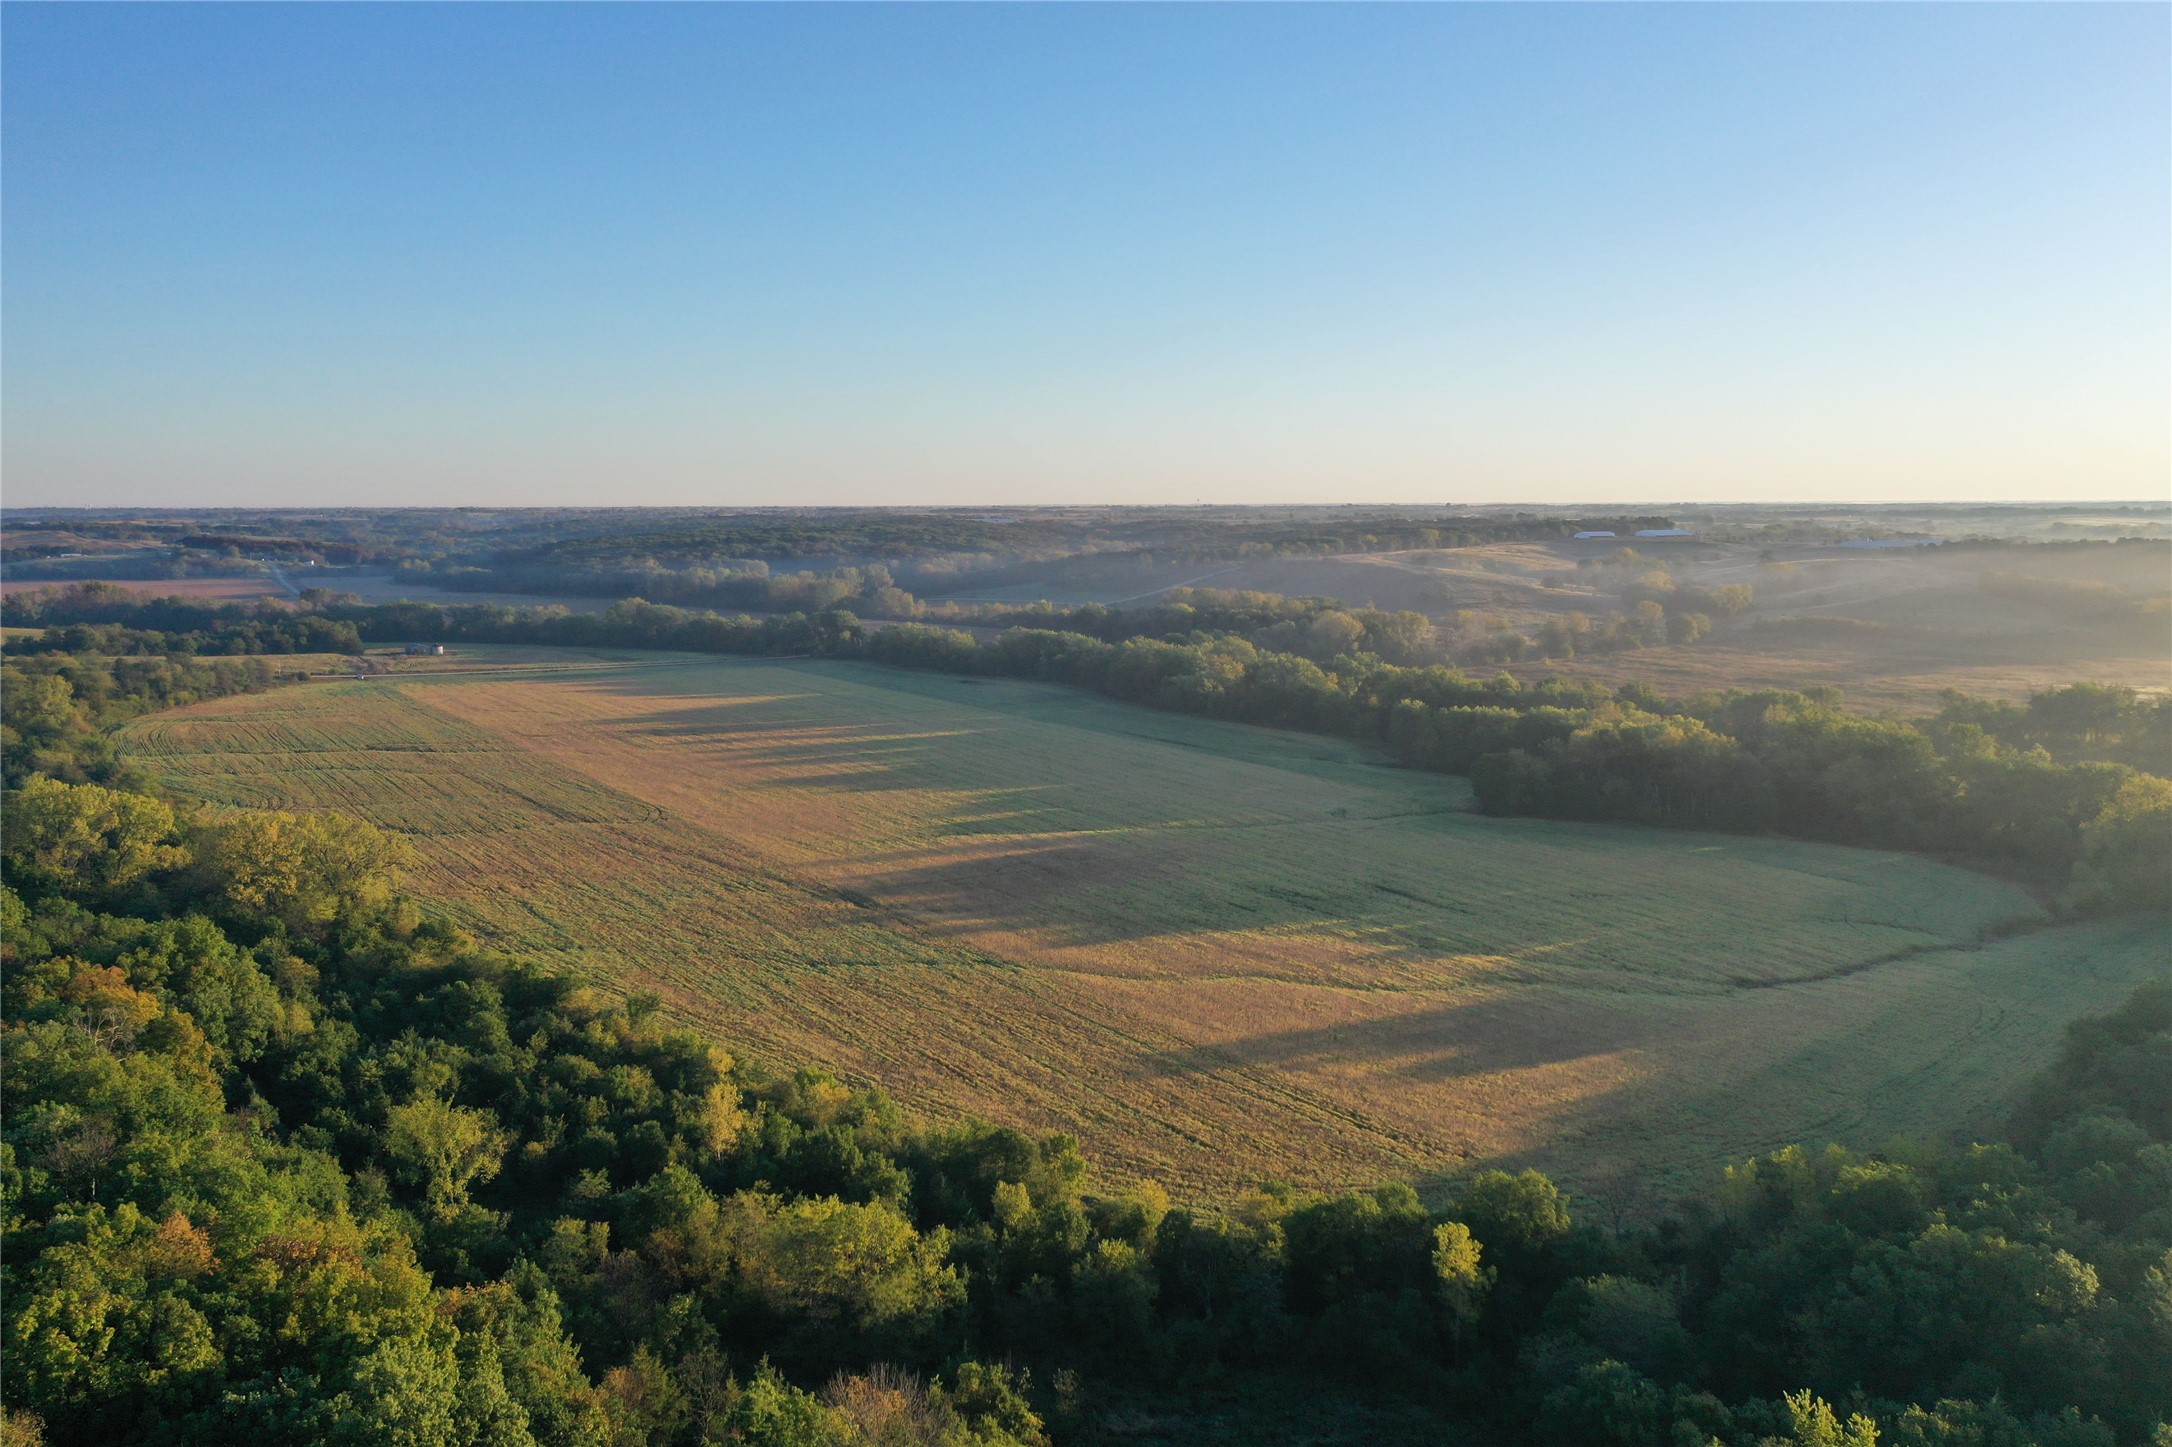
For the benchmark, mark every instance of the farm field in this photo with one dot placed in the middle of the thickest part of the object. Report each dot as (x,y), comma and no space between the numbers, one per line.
(1873,669)
(376,587)
(1212,951)
(201,590)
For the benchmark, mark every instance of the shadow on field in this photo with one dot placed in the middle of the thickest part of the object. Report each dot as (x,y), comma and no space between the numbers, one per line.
(797,743)
(1443,1043)
(1155,882)
(806,747)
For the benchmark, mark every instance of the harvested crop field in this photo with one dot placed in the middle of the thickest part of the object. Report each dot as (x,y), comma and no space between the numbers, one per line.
(1209,950)
(199,590)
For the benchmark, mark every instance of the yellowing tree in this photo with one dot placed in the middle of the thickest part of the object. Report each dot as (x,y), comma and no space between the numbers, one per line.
(832,1261)
(444,1149)
(1813,1423)
(305,870)
(1461,1278)
(2127,848)
(82,835)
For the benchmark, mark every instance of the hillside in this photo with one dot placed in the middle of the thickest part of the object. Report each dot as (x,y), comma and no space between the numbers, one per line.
(1214,952)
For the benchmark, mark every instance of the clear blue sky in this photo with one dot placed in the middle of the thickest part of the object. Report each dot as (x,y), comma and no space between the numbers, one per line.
(768,254)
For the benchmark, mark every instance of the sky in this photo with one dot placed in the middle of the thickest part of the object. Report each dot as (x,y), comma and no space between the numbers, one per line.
(569,254)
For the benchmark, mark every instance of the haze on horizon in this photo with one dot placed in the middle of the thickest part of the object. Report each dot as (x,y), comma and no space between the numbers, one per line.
(696,255)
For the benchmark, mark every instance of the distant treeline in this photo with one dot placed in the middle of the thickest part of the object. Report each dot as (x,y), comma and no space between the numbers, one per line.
(260,632)
(2067,792)
(727,565)
(242,544)
(287,1160)
(1656,611)
(150,564)
(869,591)
(1379,535)
(901,536)
(873,535)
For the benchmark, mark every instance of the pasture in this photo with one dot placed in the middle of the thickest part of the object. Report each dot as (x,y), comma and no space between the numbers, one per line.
(1212,951)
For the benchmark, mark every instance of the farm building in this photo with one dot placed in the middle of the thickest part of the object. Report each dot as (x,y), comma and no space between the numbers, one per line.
(425,648)
(1662,532)
(1601,533)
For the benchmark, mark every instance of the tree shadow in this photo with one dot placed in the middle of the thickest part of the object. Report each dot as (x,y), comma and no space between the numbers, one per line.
(1433,1045)
(1180,882)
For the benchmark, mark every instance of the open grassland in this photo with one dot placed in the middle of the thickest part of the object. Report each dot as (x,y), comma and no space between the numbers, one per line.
(1215,952)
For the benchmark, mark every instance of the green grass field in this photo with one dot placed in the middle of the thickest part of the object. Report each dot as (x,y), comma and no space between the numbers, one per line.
(1215,952)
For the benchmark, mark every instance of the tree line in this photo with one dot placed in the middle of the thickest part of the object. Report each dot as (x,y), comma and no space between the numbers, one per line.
(2093,832)
(288,1157)
(2048,792)
(1223,540)
(56,708)
(868,591)
(1655,610)
(261,633)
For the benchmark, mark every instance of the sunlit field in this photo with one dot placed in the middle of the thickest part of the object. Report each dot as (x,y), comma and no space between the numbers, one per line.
(1213,952)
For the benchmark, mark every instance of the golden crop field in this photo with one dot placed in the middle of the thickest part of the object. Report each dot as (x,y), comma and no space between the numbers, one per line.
(1214,952)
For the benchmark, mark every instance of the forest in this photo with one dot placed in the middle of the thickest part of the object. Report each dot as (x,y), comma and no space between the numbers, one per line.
(287,1156)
